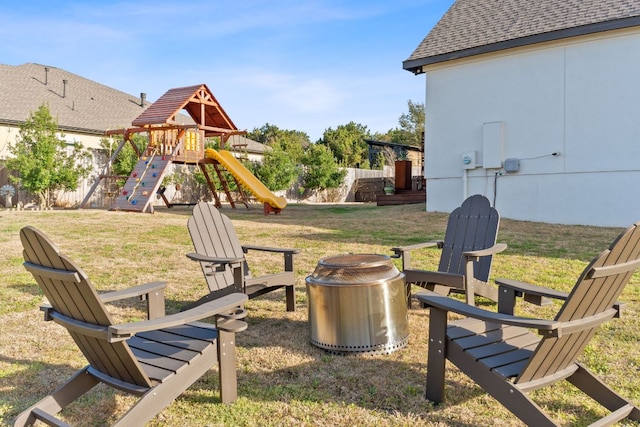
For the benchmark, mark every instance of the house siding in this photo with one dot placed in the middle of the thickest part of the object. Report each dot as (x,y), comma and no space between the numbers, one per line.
(577,97)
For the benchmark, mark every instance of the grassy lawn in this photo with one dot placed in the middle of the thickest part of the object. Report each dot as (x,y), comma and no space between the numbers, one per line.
(282,379)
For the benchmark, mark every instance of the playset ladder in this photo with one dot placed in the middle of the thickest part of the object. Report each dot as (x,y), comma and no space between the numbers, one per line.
(142,185)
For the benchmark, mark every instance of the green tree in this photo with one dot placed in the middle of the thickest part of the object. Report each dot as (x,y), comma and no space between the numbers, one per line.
(278,169)
(45,163)
(321,169)
(292,142)
(347,143)
(411,126)
(126,160)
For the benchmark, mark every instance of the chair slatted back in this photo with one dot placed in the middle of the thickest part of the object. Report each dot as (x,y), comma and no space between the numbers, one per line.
(214,235)
(71,294)
(472,226)
(595,292)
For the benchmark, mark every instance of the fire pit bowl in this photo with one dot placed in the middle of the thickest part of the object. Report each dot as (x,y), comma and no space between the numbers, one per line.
(357,304)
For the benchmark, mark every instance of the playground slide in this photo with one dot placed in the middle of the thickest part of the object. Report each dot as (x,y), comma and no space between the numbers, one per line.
(246,178)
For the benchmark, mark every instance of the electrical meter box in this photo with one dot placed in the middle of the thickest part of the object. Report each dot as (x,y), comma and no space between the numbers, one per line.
(469,160)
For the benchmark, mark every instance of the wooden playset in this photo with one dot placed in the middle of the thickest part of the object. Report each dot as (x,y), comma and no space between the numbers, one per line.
(173,138)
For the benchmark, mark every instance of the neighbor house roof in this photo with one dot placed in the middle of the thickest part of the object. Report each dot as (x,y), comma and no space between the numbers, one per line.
(472,27)
(242,143)
(80,105)
(394,145)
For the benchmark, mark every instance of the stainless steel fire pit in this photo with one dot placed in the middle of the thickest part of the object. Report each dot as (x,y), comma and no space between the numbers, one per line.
(357,304)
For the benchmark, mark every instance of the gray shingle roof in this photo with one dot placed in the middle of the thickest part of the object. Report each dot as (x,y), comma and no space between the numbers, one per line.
(81,105)
(472,27)
(242,143)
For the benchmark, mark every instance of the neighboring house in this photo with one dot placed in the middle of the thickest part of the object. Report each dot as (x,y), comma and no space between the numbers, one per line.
(535,104)
(246,149)
(409,152)
(84,109)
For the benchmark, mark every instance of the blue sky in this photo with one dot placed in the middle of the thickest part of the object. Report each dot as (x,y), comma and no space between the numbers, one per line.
(300,65)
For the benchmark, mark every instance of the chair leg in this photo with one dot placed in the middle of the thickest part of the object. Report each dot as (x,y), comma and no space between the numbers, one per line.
(162,395)
(517,402)
(501,389)
(436,355)
(600,392)
(227,366)
(290,292)
(80,383)
(290,289)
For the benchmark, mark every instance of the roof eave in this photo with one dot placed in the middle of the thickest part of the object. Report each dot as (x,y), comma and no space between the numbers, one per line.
(392,144)
(72,129)
(416,65)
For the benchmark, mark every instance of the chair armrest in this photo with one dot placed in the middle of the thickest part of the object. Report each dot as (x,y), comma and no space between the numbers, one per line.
(432,299)
(205,258)
(135,291)
(152,292)
(247,248)
(404,252)
(509,290)
(523,288)
(286,252)
(399,250)
(495,249)
(220,306)
(452,280)
(549,328)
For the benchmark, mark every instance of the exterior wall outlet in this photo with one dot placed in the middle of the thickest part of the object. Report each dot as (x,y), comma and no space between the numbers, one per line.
(511,165)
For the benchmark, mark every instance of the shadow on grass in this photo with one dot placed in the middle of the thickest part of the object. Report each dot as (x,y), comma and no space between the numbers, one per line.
(277,363)
(32,380)
(28,288)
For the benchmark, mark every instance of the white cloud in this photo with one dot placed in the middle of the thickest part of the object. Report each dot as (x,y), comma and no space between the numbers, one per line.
(293,92)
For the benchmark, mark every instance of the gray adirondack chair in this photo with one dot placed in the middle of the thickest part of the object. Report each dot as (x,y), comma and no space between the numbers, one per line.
(500,353)
(467,252)
(156,359)
(223,262)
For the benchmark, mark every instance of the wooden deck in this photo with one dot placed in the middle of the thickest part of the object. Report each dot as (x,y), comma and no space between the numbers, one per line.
(402,197)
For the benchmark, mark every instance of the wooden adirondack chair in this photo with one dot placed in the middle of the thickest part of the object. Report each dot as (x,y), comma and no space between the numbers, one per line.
(500,354)
(223,262)
(156,359)
(467,251)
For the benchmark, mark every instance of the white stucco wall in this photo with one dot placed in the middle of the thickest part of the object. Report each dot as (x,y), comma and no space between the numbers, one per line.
(579,98)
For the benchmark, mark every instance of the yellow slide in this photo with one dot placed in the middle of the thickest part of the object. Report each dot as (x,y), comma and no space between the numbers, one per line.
(246,178)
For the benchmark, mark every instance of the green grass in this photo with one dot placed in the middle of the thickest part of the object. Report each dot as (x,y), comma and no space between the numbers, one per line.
(282,379)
